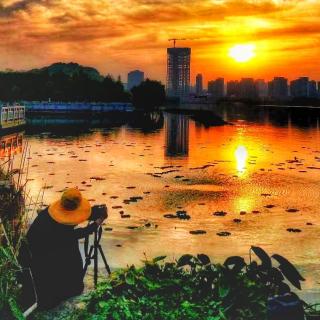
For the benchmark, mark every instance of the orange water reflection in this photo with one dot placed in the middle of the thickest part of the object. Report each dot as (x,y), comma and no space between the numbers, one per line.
(10,144)
(241,167)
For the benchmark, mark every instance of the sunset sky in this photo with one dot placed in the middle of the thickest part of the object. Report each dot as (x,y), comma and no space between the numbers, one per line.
(121,35)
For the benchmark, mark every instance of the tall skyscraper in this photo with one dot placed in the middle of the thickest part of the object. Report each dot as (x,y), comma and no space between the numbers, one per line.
(278,88)
(134,79)
(178,71)
(199,84)
(216,88)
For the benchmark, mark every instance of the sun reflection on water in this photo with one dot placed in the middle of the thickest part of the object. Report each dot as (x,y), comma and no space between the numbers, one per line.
(241,155)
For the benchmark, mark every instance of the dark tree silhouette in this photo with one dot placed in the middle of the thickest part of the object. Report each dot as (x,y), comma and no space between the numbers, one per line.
(61,82)
(148,95)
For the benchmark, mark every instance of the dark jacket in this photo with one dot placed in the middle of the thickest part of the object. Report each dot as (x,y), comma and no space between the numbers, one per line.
(56,262)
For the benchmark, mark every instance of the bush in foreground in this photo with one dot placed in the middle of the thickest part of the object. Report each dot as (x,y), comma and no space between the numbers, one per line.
(191,288)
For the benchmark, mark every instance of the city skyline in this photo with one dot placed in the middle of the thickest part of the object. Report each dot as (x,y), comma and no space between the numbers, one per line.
(133,34)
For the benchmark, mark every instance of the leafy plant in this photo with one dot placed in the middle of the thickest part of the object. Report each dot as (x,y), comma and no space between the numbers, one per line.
(192,287)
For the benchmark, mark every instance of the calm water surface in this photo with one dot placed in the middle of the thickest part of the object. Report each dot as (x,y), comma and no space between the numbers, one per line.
(261,164)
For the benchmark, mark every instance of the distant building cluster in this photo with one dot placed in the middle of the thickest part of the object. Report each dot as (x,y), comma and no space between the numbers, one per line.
(277,89)
(178,83)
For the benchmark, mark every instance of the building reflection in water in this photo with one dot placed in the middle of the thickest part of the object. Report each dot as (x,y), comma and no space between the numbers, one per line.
(11,144)
(177,134)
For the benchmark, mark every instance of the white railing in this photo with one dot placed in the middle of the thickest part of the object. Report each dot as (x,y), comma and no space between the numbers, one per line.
(12,113)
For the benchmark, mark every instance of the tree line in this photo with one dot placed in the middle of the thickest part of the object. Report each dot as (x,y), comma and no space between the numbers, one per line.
(43,85)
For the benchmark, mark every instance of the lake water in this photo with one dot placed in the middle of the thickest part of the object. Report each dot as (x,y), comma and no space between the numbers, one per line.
(255,168)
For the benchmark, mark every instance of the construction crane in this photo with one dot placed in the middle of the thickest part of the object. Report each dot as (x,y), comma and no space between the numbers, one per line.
(175,39)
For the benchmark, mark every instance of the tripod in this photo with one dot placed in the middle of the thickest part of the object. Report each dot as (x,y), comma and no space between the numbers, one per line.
(92,254)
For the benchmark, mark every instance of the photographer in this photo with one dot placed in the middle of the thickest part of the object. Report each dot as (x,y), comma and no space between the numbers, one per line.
(56,262)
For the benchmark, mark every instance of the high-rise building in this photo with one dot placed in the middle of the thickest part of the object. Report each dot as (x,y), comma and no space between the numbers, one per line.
(134,79)
(178,71)
(262,88)
(247,89)
(199,84)
(278,88)
(233,89)
(216,88)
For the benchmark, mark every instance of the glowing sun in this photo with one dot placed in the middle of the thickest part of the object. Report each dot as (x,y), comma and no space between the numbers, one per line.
(242,52)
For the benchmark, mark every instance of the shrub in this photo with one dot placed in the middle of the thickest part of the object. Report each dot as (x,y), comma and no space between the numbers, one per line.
(191,288)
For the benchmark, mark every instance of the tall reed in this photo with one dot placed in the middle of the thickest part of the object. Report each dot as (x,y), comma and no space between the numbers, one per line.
(15,202)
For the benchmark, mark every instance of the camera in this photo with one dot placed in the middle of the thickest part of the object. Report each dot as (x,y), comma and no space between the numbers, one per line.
(98,212)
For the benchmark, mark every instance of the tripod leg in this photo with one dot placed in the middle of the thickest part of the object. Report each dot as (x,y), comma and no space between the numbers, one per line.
(95,262)
(104,259)
(88,261)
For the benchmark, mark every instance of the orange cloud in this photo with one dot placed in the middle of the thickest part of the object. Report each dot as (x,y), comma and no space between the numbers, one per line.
(117,36)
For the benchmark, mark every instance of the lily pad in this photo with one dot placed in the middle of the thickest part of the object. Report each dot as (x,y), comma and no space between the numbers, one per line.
(196,232)
(220,213)
(293,230)
(224,234)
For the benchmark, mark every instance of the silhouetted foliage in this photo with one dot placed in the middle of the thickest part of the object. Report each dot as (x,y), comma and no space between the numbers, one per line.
(148,95)
(61,82)
(194,287)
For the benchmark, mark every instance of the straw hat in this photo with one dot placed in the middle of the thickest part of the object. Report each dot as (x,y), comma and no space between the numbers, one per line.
(71,209)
